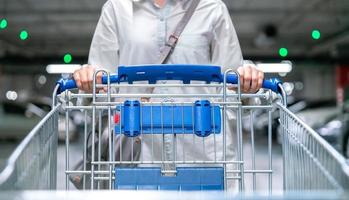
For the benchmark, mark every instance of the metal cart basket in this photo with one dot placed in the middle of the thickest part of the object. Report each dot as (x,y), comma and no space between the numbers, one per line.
(173,127)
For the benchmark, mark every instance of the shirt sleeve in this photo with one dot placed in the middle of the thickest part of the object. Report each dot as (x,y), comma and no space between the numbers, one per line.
(225,47)
(104,50)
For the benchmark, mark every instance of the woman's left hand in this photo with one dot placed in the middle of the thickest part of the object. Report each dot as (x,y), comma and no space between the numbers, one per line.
(251,78)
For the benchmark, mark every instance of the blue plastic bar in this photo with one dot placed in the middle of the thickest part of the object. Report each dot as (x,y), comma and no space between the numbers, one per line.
(170,119)
(132,125)
(186,179)
(153,73)
(202,119)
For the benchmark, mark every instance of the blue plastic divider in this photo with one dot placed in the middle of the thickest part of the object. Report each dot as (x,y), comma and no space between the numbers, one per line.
(186,179)
(201,119)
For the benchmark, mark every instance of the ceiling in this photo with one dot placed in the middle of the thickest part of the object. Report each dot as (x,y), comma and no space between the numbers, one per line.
(60,26)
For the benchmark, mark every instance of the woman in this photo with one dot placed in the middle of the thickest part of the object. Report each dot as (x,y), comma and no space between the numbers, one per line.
(131,32)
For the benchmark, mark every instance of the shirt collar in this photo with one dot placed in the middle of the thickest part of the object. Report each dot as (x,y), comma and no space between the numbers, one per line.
(152,0)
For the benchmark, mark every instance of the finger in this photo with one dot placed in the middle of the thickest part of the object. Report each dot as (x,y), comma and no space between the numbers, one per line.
(90,72)
(105,89)
(99,80)
(254,80)
(145,99)
(84,80)
(231,88)
(247,79)
(99,77)
(260,80)
(77,79)
(241,73)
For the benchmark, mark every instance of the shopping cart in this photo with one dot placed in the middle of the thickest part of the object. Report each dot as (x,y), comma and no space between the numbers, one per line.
(181,130)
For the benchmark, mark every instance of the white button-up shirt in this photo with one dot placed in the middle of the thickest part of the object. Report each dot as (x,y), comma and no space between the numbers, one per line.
(131,32)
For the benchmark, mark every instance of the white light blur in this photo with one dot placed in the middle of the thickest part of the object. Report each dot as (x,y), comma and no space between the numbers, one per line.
(279,68)
(288,87)
(62,69)
(299,86)
(11,95)
(42,79)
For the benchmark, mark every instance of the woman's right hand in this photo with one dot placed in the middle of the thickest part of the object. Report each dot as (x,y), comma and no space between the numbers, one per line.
(84,78)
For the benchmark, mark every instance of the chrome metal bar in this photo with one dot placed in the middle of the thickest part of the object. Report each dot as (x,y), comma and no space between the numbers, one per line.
(54,96)
(106,172)
(94,100)
(270,155)
(224,125)
(266,171)
(67,148)
(99,142)
(104,105)
(167,162)
(119,95)
(105,178)
(167,85)
(85,150)
(253,152)
(109,133)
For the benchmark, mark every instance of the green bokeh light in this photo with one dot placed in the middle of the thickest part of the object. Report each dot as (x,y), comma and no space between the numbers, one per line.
(283,52)
(3,24)
(316,34)
(23,35)
(67,58)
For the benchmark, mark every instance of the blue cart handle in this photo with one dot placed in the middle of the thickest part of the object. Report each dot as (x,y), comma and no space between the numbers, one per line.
(273,84)
(68,84)
(153,73)
(185,73)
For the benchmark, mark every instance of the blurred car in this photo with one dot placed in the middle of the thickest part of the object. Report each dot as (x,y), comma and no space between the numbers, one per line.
(323,116)
(333,132)
(260,123)
(76,122)
(326,122)
(344,137)
(331,123)
(17,119)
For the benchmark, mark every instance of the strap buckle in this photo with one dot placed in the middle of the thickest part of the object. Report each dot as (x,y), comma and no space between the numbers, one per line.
(172,41)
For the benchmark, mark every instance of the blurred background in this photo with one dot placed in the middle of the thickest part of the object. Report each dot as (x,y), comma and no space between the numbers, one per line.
(312,34)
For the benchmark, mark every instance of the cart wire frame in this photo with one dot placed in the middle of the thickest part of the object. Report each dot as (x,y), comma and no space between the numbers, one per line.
(309,162)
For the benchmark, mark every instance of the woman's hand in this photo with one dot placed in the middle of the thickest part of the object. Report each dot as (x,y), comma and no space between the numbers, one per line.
(251,78)
(84,78)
